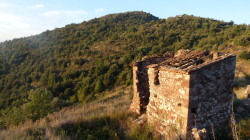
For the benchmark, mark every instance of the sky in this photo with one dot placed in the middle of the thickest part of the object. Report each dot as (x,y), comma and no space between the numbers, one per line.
(21,18)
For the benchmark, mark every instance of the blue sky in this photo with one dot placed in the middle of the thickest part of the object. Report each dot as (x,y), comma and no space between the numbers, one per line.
(20,18)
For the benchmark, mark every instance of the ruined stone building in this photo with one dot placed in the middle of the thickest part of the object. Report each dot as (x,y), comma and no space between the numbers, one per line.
(192,89)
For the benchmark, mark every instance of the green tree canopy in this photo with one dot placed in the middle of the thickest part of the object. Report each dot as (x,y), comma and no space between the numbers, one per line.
(38,104)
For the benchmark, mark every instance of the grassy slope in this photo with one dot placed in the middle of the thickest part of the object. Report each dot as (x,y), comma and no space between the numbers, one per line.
(56,126)
(242,71)
(105,118)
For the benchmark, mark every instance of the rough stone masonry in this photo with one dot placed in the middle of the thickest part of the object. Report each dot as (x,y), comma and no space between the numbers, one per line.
(192,89)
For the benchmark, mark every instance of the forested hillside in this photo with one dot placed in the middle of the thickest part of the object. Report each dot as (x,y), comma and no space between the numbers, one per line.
(77,62)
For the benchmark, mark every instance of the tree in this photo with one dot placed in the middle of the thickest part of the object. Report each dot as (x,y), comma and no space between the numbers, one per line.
(38,105)
(82,93)
(99,87)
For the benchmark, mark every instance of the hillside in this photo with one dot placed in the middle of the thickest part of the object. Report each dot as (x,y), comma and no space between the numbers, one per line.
(97,120)
(78,62)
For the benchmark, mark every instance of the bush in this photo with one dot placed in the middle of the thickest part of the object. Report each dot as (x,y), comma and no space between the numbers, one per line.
(81,93)
(245,55)
(38,105)
(57,103)
(73,99)
(99,87)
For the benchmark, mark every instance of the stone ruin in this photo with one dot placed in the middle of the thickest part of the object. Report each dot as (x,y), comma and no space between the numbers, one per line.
(193,89)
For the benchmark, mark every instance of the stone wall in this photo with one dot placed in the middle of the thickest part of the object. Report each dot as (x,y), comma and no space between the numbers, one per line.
(141,88)
(141,84)
(190,90)
(168,106)
(211,92)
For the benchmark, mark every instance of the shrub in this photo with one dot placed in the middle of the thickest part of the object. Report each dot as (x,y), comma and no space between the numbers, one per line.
(57,103)
(38,105)
(73,99)
(245,55)
(99,87)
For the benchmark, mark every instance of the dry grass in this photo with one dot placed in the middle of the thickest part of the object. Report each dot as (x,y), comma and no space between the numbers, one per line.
(242,71)
(105,118)
(240,93)
(117,101)
(242,78)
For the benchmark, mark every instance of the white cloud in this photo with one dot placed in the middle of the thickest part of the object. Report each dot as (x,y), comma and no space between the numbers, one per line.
(38,6)
(99,10)
(4,5)
(51,13)
(8,17)
(20,25)
(8,7)
(13,33)
(64,13)
(12,21)
(72,13)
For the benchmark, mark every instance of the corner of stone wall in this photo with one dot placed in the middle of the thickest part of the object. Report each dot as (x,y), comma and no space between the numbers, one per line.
(210,95)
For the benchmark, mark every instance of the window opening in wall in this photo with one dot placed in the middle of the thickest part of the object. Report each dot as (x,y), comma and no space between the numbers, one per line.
(156,78)
(194,110)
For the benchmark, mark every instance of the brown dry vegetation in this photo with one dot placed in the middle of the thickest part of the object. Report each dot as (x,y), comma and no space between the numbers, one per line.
(117,101)
(242,71)
(107,117)
(242,78)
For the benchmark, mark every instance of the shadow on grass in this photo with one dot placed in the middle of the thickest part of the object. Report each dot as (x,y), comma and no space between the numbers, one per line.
(117,127)
(98,128)
(241,81)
